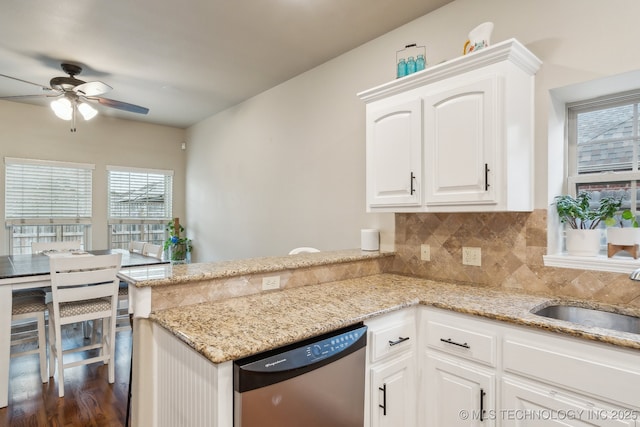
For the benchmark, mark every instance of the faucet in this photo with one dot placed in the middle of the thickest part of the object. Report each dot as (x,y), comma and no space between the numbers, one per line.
(635,275)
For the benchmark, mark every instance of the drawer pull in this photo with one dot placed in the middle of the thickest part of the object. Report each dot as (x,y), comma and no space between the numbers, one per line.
(383,389)
(448,341)
(398,341)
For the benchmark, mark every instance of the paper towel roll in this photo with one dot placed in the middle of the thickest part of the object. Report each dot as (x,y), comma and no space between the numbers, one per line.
(369,239)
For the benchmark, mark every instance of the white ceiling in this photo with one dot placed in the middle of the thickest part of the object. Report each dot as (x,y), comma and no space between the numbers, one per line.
(185,61)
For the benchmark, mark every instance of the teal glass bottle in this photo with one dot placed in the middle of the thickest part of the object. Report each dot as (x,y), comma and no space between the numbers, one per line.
(420,63)
(411,65)
(402,68)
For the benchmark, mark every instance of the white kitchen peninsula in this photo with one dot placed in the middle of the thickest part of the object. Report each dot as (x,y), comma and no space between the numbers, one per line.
(166,286)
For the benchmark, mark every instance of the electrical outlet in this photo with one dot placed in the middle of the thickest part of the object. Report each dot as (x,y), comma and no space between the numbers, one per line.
(471,256)
(425,252)
(271,282)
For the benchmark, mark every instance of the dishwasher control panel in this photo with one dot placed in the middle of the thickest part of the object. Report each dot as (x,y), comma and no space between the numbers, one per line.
(330,346)
(307,352)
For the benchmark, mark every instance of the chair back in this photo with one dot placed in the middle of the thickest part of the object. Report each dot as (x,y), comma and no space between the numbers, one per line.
(37,247)
(78,278)
(152,250)
(136,247)
(303,250)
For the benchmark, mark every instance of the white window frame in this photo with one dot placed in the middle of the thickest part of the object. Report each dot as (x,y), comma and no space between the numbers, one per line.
(54,217)
(558,168)
(132,220)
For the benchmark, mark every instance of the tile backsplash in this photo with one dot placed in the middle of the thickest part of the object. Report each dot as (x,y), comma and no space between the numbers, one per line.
(512,245)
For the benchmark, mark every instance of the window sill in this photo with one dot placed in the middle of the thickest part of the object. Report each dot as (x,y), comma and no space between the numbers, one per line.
(619,264)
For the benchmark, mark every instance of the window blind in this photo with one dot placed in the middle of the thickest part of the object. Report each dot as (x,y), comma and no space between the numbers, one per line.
(37,189)
(140,194)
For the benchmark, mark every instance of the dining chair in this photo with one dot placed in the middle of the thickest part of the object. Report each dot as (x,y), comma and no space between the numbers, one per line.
(303,250)
(84,288)
(152,250)
(136,246)
(67,245)
(29,306)
(142,248)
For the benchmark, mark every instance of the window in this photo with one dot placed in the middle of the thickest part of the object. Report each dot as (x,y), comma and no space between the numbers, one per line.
(140,204)
(592,146)
(46,201)
(604,148)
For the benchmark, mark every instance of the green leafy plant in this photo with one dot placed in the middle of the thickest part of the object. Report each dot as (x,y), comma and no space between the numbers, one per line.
(578,213)
(179,246)
(622,218)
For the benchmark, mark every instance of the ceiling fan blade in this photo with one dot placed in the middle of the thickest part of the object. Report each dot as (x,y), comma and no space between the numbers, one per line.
(92,88)
(26,81)
(121,105)
(29,96)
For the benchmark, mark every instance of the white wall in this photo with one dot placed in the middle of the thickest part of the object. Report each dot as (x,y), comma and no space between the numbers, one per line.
(286,168)
(29,131)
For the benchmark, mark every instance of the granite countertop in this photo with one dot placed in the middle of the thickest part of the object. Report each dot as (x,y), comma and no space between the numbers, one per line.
(168,274)
(238,327)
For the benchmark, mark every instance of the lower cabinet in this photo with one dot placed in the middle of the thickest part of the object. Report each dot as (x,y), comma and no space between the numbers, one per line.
(480,372)
(456,393)
(393,397)
(391,382)
(529,404)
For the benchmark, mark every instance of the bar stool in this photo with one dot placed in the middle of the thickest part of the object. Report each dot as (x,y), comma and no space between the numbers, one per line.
(84,288)
(31,305)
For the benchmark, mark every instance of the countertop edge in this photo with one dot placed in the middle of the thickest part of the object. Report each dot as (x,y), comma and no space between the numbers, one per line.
(185,273)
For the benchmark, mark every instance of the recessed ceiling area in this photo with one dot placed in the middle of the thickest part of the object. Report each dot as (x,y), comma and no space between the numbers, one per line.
(185,61)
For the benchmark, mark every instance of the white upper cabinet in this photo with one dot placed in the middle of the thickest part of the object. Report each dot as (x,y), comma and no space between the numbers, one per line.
(394,160)
(461,129)
(468,122)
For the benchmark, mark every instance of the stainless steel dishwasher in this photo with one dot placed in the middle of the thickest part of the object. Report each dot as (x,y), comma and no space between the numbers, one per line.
(318,382)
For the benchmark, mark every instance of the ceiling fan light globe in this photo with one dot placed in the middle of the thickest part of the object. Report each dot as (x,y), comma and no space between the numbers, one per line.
(62,108)
(87,111)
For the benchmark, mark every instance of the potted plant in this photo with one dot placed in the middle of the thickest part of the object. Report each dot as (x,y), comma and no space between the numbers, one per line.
(583,234)
(178,248)
(623,229)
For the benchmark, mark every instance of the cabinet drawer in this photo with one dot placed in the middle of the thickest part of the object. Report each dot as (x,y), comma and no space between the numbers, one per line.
(391,334)
(466,339)
(584,367)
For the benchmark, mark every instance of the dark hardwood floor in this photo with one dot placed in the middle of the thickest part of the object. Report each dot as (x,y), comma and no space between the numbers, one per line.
(89,399)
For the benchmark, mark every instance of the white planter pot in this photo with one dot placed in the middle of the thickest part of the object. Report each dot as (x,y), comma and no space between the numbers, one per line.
(583,242)
(626,236)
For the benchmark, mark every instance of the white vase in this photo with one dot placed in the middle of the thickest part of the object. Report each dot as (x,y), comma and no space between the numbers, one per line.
(583,242)
(627,236)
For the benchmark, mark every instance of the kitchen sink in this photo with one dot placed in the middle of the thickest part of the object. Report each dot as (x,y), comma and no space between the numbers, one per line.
(591,317)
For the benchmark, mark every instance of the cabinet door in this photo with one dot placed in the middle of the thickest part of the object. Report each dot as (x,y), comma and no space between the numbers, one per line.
(461,133)
(526,404)
(456,393)
(393,391)
(394,154)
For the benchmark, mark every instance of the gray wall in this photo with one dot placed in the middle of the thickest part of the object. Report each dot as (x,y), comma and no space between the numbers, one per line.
(34,132)
(286,168)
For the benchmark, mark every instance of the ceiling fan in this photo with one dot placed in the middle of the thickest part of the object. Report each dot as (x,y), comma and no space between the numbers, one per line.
(72,95)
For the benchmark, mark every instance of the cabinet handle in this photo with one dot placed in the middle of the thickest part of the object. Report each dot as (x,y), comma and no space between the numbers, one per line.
(412,178)
(482,394)
(383,389)
(398,341)
(449,341)
(486,177)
